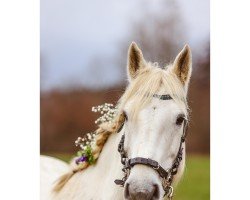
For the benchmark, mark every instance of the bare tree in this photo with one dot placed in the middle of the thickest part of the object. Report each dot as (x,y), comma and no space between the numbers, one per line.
(158,32)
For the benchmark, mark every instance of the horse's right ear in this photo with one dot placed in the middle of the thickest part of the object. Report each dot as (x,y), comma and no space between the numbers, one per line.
(135,61)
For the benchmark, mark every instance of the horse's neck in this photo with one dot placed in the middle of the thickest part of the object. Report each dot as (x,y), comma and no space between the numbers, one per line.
(109,161)
(97,181)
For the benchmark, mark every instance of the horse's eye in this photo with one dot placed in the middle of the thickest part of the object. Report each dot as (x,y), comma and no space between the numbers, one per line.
(180,119)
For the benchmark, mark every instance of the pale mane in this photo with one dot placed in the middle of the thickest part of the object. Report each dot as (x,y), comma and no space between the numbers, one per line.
(149,81)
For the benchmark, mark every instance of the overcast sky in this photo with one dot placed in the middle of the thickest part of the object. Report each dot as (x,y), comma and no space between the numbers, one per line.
(73,32)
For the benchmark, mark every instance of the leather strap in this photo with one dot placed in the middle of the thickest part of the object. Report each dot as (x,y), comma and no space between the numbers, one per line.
(163,97)
(148,162)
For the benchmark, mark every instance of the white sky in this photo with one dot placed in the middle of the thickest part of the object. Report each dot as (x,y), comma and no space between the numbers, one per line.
(73,32)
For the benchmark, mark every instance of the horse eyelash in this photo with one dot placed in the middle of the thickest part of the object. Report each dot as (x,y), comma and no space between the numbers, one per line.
(125,116)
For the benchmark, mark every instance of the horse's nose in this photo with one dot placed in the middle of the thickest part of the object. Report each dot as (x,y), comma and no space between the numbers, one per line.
(147,192)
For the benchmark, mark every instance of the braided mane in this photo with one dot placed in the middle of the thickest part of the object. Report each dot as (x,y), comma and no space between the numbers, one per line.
(103,132)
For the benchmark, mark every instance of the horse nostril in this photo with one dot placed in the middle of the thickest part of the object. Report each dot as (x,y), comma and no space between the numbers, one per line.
(126,192)
(156,191)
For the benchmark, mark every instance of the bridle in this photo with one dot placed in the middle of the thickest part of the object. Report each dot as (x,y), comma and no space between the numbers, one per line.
(166,175)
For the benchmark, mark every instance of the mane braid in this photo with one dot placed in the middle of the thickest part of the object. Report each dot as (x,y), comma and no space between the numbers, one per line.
(103,132)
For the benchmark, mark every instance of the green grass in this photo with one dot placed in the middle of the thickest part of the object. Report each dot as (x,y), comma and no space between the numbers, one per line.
(195,183)
(62,156)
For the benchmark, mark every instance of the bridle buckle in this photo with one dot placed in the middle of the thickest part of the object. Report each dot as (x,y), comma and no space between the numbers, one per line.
(157,167)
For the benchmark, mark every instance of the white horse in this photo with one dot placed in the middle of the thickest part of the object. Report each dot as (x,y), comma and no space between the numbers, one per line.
(153,128)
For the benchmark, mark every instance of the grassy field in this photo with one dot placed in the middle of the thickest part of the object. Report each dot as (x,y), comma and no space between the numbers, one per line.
(195,184)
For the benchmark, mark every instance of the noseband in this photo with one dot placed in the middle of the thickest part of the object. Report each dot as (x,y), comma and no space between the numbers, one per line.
(166,175)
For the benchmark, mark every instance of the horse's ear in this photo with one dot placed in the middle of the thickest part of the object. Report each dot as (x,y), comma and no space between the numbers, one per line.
(183,65)
(135,60)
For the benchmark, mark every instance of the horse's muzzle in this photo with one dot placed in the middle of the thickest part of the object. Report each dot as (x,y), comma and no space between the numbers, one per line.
(147,192)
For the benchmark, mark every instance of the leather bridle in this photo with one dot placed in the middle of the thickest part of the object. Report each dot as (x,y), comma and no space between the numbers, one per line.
(166,175)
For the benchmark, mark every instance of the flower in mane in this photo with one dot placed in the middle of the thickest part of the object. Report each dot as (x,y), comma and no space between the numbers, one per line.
(88,141)
(108,112)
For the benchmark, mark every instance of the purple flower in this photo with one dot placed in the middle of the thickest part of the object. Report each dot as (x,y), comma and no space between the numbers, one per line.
(81,159)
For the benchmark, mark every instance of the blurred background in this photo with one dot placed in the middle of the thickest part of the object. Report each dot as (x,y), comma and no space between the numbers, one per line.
(83,64)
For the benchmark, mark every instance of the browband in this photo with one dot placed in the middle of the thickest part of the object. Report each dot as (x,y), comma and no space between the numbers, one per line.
(163,97)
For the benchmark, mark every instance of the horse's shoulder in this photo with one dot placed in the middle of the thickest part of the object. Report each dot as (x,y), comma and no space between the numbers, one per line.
(50,170)
(53,163)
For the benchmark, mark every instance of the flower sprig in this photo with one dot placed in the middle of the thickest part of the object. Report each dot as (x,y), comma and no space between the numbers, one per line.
(86,143)
(87,140)
(108,112)
(85,155)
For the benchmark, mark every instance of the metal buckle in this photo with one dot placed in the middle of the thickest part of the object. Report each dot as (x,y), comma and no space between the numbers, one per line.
(157,167)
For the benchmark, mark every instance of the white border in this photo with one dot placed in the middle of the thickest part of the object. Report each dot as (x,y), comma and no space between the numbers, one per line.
(19,104)
(230,134)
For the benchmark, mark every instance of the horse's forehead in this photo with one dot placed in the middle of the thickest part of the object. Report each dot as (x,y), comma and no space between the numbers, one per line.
(166,108)
(157,106)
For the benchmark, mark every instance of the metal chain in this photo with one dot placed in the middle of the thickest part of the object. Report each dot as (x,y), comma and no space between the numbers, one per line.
(166,184)
(171,193)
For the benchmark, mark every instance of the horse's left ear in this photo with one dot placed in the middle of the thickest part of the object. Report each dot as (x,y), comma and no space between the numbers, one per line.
(183,65)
